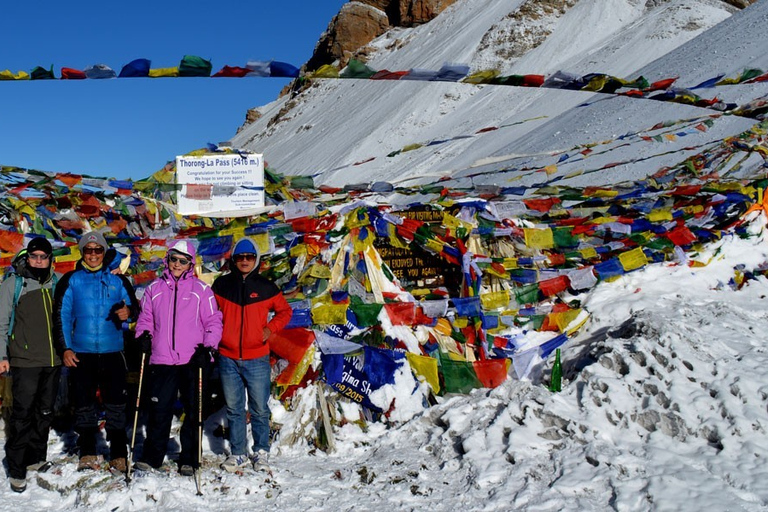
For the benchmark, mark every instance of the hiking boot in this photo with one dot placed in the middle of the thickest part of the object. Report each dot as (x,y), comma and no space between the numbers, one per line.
(36,466)
(260,461)
(187,470)
(143,466)
(88,462)
(18,484)
(119,464)
(234,462)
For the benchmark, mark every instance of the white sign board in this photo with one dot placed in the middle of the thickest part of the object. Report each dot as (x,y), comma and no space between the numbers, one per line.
(220,185)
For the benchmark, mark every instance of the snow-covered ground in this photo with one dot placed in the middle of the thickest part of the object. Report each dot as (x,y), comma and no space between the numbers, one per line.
(664,407)
(665,396)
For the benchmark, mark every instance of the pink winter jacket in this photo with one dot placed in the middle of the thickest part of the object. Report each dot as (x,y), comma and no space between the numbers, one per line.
(179,315)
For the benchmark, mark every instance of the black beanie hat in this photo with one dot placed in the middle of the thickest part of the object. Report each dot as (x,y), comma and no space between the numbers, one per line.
(40,244)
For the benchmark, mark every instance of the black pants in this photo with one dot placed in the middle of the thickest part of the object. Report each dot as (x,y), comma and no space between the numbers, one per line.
(166,383)
(105,373)
(34,393)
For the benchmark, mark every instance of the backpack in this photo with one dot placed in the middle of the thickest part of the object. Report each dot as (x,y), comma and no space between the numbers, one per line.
(17,295)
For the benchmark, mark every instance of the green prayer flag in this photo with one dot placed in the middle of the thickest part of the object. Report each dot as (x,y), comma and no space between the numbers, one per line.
(366,314)
(458,376)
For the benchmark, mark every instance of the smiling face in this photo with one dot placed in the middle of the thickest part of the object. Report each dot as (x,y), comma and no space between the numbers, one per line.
(245,262)
(178,264)
(93,254)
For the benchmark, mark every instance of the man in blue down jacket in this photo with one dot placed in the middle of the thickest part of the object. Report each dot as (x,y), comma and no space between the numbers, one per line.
(92,304)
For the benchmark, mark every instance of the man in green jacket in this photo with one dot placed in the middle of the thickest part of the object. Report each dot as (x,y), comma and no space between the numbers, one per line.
(26,307)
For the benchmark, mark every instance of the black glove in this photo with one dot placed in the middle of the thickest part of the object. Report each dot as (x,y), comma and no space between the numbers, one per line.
(145,342)
(202,357)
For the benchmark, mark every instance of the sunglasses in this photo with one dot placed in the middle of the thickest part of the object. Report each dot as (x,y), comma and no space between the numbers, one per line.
(38,257)
(179,260)
(93,250)
(244,257)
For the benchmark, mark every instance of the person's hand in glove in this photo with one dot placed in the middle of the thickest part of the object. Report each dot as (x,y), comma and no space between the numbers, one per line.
(145,342)
(202,357)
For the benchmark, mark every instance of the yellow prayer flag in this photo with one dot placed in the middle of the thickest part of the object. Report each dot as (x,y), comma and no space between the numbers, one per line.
(455,356)
(577,172)
(564,318)
(633,259)
(22,206)
(355,220)
(411,147)
(443,326)
(164,72)
(320,271)
(330,314)
(603,220)
(693,210)
(454,222)
(326,71)
(361,244)
(74,255)
(539,238)
(426,368)
(494,300)
(588,253)
(156,254)
(604,192)
(298,250)
(482,76)
(461,322)
(434,245)
(236,232)
(660,215)
(550,169)
(596,83)
(262,242)
(394,239)
(492,271)
(509,263)
(9,75)
(294,378)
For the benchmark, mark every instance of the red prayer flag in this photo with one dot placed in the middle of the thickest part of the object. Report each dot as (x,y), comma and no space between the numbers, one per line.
(401,313)
(291,344)
(232,72)
(491,372)
(554,286)
(72,74)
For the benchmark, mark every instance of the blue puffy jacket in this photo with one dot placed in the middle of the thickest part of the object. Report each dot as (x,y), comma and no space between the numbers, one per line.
(84,311)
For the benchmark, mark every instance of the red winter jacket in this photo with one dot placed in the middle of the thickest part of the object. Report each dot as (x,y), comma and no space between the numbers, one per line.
(246,304)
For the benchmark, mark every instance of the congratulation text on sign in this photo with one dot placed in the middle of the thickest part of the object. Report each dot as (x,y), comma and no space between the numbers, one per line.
(223,185)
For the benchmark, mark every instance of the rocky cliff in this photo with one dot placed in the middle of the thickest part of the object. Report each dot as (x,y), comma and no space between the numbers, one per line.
(361,21)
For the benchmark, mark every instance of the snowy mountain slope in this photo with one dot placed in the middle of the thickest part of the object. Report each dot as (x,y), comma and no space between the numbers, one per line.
(338,123)
(665,398)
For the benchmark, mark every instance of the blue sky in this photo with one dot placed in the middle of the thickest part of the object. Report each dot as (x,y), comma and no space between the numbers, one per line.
(129,128)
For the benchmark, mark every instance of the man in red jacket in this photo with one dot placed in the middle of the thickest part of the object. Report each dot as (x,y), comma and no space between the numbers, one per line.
(246,299)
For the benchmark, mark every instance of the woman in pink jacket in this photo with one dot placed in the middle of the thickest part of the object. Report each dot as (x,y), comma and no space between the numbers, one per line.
(179,326)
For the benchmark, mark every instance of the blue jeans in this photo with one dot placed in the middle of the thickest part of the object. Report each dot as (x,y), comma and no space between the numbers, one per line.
(252,375)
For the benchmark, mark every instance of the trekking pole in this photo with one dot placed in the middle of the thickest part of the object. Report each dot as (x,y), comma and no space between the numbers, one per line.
(135,419)
(199,430)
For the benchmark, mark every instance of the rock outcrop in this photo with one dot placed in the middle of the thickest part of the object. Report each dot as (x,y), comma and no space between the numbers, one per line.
(361,21)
